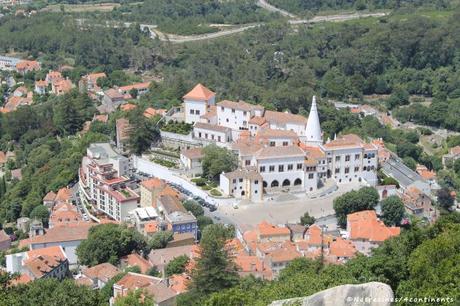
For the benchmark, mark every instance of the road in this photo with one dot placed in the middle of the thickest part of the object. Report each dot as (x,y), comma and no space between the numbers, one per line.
(336,18)
(264,4)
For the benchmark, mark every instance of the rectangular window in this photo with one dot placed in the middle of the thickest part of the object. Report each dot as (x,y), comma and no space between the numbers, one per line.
(197,112)
(272,144)
(347,170)
(356,169)
(234,181)
(299,166)
(192,112)
(337,170)
(347,157)
(337,158)
(271,168)
(240,180)
(218,138)
(310,176)
(357,156)
(222,108)
(280,168)
(256,182)
(247,162)
(290,167)
(233,110)
(285,143)
(262,168)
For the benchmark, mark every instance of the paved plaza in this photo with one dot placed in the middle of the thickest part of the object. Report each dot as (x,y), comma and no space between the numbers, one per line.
(282,209)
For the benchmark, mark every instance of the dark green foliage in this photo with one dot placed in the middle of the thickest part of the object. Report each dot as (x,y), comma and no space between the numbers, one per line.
(177,265)
(392,210)
(190,16)
(214,270)
(356,200)
(160,240)
(143,132)
(153,271)
(217,160)
(177,127)
(306,219)
(49,291)
(203,221)
(194,208)
(445,199)
(40,213)
(108,243)
(390,181)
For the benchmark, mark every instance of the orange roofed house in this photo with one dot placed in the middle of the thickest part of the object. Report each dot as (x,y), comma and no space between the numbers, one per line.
(366,231)
(98,276)
(26,66)
(155,287)
(40,263)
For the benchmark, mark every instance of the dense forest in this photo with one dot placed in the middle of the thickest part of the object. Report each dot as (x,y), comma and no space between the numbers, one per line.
(303,7)
(192,16)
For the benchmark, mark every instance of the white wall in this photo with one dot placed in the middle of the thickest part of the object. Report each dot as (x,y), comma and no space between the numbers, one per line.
(193,110)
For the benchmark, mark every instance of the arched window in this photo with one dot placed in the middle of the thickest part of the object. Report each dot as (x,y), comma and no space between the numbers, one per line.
(275,183)
(265,184)
(286,182)
(297,182)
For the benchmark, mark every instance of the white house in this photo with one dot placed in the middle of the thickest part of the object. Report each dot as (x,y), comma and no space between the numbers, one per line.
(196,103)
(242,184)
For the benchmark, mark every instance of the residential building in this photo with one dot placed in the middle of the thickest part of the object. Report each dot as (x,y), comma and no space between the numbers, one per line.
(68,237)
(419,204)
(112,99)
(64,214)
(136,260)
(174,213)
(8,63)
(140,88)
(61,87)
(49,262)
(145,219)
(122,128)
(452,156)
(242,184)
(196,103)
(25,66)
(99,275)
(41,87)
(156,287)
(89,82)
(366,231)
(191,161)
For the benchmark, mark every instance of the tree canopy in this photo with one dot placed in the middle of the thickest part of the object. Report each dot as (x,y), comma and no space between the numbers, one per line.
(108,243)
(356,200)
(217,160)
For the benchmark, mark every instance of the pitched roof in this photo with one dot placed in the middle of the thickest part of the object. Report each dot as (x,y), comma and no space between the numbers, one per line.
(63,195)
(193,153)
(161,257)
(211,127)
(171,204)
(153,183)
(179,282)
(135,259)
(365,225)
(41,261)
(279,151)
(240,105)
(152,285)
(257,120)
(342,248)
(271,133)
(127,107)
(143,85)
(284,117)
(50,196)
(349,141)
(266,229)
(104,271)
(199,92)
(60,234)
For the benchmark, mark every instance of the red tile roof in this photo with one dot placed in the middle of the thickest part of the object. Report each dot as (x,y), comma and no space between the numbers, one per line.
(135,259)
(365,225)
(199,92)
(104,272)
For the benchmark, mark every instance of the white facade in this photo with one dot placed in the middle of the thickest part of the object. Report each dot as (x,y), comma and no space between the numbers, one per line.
(242,184)
(194,110)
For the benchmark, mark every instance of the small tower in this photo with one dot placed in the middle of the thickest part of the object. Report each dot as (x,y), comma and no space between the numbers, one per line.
(313,132)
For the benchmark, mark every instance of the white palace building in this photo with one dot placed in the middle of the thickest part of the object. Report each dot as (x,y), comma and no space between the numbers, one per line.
(276,150)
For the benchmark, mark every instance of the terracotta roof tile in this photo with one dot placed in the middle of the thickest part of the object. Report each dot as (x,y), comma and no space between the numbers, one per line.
(365,225)
(199,92)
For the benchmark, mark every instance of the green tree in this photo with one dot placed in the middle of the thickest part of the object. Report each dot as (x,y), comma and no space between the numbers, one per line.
(135,298)
(354,201)
(153,271)
(217,160)
(177,265)
(445,199)
(390,181)
(194,208)
(142,133)
(203,221)
(40,213)
(214,270)
(108,243)
(160,239)
(392,210)
(306,219)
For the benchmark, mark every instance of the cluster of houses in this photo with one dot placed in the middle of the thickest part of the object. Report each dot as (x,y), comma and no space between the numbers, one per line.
(106,183)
